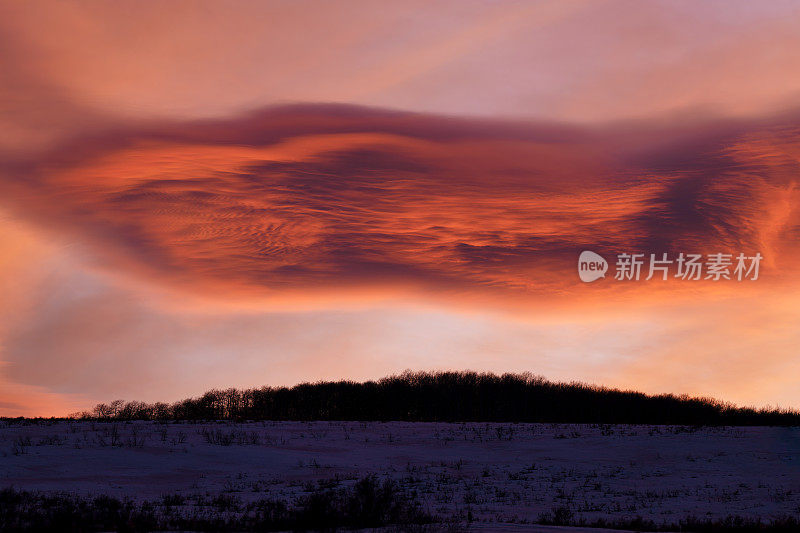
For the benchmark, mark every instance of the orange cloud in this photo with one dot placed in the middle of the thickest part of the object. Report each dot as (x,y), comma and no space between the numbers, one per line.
(311,200)
(562,59)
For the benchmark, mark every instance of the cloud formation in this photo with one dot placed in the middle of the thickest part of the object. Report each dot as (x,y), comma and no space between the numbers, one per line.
(314,199)
(569,60)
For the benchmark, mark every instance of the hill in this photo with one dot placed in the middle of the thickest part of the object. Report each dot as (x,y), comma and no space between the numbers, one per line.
(449,397)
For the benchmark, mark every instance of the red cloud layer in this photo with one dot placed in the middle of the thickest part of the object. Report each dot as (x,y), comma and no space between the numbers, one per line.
(320,198)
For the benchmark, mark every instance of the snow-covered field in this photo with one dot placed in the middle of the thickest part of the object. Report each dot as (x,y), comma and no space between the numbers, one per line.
(498,473)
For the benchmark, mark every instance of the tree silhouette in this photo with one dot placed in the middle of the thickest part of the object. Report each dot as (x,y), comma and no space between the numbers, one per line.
(449,397)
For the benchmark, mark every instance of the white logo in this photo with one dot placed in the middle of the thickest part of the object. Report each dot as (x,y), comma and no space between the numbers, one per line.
(591,266)
(633,267)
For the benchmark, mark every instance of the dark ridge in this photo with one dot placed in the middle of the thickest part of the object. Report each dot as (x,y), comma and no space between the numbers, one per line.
(449,397)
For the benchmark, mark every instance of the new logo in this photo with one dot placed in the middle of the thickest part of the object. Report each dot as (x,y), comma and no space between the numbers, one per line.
(591,266)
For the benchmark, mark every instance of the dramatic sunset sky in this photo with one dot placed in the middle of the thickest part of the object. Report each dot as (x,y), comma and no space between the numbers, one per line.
(215,194)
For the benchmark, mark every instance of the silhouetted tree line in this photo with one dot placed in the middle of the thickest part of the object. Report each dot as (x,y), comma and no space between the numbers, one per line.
(449,397)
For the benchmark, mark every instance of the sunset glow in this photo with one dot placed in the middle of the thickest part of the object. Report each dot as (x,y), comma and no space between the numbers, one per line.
(238,194)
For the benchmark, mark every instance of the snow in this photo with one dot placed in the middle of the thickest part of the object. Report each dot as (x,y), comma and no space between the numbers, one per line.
(502,473)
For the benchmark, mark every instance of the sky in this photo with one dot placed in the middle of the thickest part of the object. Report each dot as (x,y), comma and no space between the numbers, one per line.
(208,194)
